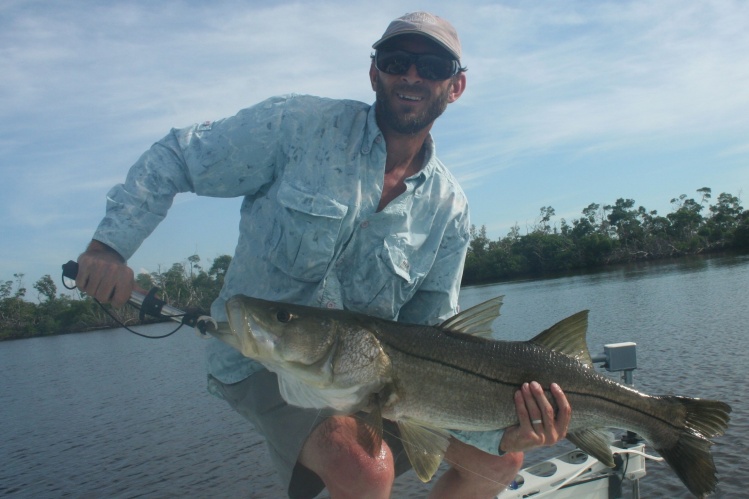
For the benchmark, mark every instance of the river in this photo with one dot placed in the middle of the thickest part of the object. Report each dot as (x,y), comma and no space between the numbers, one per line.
(109,414)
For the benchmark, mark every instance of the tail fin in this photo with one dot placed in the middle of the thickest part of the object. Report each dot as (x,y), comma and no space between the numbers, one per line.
(690,457)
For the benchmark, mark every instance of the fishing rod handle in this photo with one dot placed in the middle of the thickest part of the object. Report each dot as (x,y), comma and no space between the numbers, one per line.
(147,303)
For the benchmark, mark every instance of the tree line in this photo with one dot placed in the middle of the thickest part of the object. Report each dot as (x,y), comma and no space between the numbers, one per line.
(603,235)
(609,234)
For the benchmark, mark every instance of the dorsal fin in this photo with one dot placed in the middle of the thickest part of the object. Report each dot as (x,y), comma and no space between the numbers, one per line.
(477,320)
(568,337)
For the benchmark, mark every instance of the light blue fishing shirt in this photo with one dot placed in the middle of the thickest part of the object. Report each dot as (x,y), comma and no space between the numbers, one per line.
(311,172)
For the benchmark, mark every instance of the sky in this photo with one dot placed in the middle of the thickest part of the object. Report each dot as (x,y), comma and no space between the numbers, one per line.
(568,103)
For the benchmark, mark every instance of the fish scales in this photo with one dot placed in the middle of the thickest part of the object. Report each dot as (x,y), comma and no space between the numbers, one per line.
(500,368)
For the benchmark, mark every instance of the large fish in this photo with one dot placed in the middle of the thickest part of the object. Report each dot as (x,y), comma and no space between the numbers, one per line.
(428,379)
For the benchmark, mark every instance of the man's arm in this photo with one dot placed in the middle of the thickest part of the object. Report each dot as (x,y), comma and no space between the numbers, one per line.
(210,159)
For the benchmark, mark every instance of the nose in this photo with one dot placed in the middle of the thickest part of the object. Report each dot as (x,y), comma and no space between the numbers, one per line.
(411,76)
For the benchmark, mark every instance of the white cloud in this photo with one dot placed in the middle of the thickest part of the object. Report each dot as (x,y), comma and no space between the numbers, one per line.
(615,73)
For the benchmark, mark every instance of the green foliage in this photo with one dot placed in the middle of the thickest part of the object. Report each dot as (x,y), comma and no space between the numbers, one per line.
(741,233)
(610,234)
(46,288)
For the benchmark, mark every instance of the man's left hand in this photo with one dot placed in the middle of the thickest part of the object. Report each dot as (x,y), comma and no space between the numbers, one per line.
(538,425)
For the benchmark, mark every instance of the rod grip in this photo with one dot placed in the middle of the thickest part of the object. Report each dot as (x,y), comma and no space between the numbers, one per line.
(70,269)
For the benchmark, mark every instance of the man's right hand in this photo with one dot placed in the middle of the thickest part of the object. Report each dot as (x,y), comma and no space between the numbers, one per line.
(103,274)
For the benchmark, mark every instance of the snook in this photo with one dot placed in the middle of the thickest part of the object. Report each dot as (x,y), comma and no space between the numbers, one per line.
(428,379)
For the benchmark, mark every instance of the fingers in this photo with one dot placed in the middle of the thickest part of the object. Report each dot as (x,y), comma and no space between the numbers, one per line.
(521,408)
(102,275)
(553,424)
(538,422)
(564,410)
(540,411)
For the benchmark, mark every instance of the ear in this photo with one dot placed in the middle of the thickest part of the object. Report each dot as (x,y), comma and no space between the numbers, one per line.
(458,86)
(373,75)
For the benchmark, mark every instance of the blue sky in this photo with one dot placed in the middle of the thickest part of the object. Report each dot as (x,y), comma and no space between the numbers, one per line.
(568,103)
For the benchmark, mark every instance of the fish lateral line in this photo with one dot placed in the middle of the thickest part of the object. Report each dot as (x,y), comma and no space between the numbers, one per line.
(547,391)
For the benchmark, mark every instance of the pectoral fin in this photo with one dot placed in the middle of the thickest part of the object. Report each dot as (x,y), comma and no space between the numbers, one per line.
(369,430)
(593,442)
(425,447)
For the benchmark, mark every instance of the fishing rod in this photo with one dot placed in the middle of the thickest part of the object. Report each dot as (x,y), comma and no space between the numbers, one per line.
(149,305)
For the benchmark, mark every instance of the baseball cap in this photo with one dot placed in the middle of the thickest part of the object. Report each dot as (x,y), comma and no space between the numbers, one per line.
(425,24)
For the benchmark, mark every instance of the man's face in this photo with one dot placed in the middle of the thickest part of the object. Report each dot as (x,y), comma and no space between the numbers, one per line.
(408,103)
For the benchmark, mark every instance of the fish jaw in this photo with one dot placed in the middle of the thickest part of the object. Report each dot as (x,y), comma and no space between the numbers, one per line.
(282,346)
(243,336)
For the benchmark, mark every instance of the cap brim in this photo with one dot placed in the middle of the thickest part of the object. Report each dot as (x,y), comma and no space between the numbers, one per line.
(419,33)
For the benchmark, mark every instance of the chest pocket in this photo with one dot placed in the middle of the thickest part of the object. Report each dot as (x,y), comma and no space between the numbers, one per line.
(383,276)
(305,232)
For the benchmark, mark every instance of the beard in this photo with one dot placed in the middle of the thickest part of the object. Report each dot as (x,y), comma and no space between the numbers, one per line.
(400,117)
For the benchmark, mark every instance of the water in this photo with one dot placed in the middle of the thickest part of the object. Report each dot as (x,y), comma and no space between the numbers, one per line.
(108,414)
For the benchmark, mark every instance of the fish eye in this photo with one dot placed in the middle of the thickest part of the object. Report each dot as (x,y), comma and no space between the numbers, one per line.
(283,316)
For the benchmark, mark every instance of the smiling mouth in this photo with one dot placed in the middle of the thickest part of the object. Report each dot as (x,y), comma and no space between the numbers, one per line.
(410,98)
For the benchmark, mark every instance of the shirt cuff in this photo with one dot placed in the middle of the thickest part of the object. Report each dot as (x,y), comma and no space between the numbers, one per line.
(487,441)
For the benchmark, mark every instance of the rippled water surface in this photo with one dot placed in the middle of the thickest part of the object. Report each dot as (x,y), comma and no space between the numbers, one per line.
(108,414)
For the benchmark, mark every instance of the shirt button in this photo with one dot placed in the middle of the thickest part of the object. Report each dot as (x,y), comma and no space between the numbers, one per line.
(364,224)
(330,304)
(378,139)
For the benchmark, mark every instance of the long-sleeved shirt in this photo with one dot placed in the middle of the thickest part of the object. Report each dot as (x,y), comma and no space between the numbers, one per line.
(311,172)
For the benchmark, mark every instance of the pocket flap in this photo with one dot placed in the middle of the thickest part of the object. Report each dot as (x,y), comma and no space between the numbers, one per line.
(396,259)
(295,199)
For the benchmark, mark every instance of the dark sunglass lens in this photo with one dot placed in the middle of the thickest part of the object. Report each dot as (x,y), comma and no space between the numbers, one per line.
(393,63)
(433,67)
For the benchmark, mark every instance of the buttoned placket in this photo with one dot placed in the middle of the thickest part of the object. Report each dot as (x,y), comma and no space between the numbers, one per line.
(372,150)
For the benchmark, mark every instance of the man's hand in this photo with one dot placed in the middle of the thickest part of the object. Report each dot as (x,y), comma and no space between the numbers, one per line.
(103,274)
(538,426)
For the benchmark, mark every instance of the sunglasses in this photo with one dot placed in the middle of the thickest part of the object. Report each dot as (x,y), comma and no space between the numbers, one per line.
(428,66)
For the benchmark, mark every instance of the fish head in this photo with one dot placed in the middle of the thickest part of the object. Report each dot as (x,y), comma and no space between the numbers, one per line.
(276,332)
(326,349)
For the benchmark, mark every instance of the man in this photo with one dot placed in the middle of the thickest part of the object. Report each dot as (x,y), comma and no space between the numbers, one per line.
(345,206)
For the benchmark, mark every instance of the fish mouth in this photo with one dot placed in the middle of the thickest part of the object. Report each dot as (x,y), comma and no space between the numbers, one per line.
(226,333)
(243,330)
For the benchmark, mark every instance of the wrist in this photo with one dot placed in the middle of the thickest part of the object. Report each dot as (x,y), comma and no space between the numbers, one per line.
(99,247)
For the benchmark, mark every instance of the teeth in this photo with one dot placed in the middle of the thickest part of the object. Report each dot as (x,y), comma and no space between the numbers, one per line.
(409,97)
